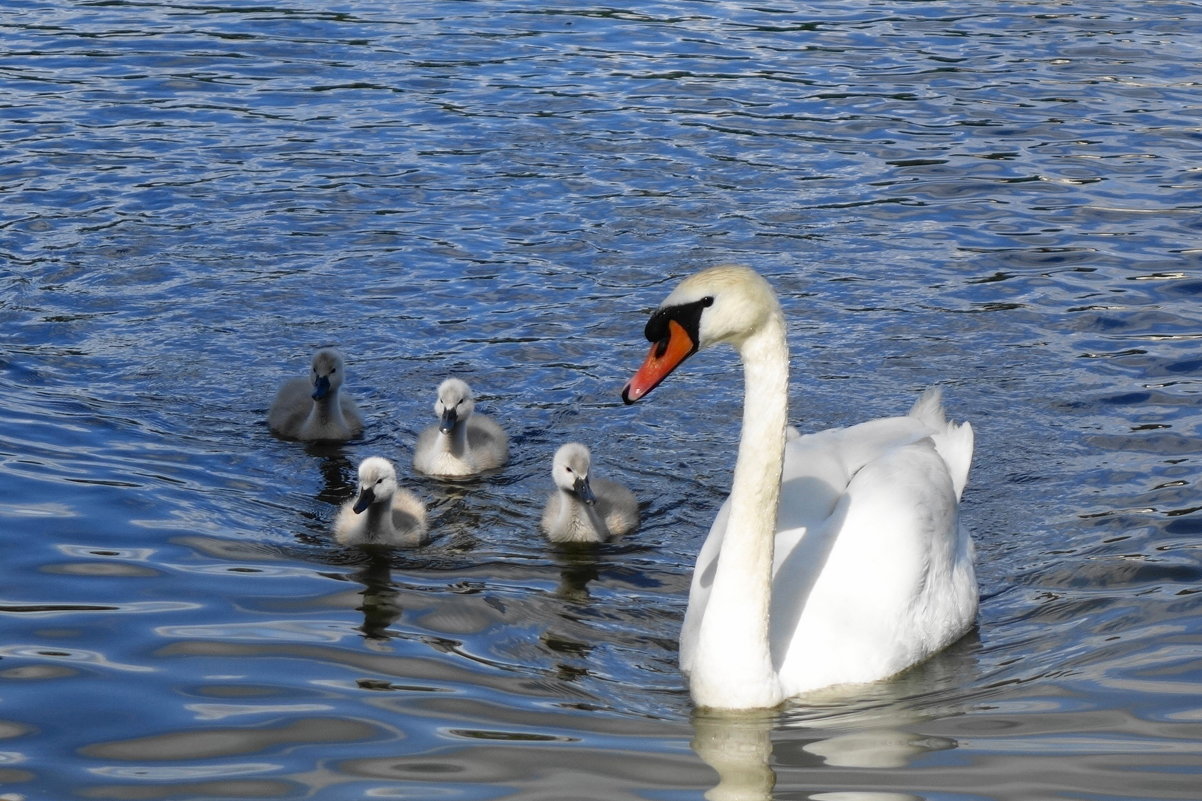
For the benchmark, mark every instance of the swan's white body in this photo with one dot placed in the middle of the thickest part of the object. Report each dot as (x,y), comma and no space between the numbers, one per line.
(838,557)
(382,513)
(314,408)
(463,443)
(583,508)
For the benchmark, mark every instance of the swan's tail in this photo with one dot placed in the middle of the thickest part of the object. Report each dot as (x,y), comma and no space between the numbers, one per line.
(953,441)
(929,408)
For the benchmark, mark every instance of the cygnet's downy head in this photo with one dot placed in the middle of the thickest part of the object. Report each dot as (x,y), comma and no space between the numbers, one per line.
(327,372)
(570,469)
(454,405)
(377,483)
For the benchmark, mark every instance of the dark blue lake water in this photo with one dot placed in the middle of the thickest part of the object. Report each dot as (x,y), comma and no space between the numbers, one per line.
(1001,198)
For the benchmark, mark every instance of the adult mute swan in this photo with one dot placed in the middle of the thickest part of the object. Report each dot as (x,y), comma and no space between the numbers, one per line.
(382,513)
(838,557)
(462,443)
(313,408)
(584,509)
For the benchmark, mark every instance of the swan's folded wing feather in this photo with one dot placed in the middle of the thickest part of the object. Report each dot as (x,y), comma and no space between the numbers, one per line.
(703,579)
(875,586)
(841,488)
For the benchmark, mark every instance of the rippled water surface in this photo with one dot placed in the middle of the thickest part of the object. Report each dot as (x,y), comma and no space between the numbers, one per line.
(1001,198)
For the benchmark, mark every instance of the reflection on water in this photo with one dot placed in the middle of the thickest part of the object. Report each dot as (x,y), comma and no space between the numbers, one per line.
(879,730)
(997,199)
(578,565)
(739,747)
(381,605)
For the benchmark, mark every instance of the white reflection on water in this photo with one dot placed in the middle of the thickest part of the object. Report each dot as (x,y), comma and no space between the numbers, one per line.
(741,748)
(71,656)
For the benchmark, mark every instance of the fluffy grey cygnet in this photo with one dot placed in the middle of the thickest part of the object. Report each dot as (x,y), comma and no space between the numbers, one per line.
(382,513)
(582,508)
(463,442)
(315,408)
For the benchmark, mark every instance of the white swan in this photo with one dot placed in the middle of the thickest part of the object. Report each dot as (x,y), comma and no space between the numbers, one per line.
(584,509)
(382,513)
(462,443)
(313,408)
(838,557)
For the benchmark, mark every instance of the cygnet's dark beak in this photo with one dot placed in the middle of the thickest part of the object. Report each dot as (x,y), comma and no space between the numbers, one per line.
(366,498)
(584,491)
(449,418)
(321,387)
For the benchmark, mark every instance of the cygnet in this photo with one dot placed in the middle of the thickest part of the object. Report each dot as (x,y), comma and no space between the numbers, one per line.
(314,408)
(463,443)
(584,509)
(382,513)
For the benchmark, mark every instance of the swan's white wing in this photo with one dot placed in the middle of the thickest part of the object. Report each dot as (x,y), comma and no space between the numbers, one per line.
(816,470)
(699,591)
(871,571)
(885,577)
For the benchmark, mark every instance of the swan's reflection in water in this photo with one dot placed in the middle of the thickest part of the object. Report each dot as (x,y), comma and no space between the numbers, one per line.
(738,745)
(864,795)
(829,737)
(876,747)
(741,747)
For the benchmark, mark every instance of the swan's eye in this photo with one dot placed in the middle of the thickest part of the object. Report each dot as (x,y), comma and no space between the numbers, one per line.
(568,469)
(707,301)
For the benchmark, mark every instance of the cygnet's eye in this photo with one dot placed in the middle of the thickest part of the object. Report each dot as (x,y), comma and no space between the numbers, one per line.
(379,481)
(567,468)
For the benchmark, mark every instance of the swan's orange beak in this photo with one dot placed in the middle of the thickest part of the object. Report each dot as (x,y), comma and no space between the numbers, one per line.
(664,357)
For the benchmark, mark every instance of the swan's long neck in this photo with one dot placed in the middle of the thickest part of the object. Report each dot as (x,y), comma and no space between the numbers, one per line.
(733,665)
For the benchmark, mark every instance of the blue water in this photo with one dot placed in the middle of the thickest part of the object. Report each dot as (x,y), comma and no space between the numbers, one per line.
(1000,198)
